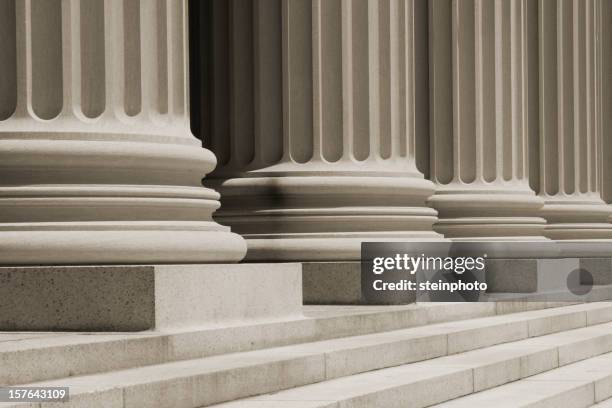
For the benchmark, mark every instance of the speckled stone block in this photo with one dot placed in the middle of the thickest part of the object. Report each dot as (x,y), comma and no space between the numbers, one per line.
(340,283)
(599,268)
(332,282)
(512,275)
(132,298)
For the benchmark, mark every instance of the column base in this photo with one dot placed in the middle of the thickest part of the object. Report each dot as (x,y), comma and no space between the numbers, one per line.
(145,297)
(580,225)
(324,216)
(340,247)
(118,243)
(483,211)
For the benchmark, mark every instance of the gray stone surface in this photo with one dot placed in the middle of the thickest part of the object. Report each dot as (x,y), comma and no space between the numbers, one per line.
(599,268)
(340,283)
(331,282)
(131,298)
(512,275)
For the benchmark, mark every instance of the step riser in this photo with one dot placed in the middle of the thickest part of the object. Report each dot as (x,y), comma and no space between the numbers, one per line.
(418,394)
(227,386)
(580,394)
(349,362)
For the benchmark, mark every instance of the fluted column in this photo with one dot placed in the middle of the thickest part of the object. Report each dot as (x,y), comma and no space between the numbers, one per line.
(97,163)
(570,119)
(605,76)
(315,112)
(479,120)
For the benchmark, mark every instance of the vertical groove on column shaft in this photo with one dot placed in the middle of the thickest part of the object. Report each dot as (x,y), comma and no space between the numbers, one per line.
(443,163)
(133,80)
(581,99)
(549,97)
(463,100)
(360,84)
(374,73)
(417,59)
(407,63)
(384,78)
(153,68)
(46,23)
(8,56)
(268,90)
(72,58)
(93,93)
(241,88)
(219,138)
(396,109)
(348,91)
(327,80)
(298,80)
(330,90)
(175,60)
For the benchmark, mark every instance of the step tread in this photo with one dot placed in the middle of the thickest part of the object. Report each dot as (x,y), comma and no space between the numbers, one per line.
(589,380)
(603,404)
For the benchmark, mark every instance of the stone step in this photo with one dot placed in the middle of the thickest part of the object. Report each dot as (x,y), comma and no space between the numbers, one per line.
(440,380)
(578,385)
(29,357)
(211,380)
(604,404)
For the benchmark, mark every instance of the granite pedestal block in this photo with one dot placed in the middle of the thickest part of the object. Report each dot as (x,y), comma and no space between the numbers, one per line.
(131,298)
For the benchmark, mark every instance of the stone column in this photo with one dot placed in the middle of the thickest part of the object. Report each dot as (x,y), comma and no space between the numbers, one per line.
(317,108)
(479,120)
(97,163)
(605,76)
(570,120)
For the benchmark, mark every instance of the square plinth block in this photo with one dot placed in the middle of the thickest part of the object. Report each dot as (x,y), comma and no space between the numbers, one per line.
(599,269)
(158,297)
(340,283)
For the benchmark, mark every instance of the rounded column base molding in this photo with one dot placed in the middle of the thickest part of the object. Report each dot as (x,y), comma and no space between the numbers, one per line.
(324,247)
(324,217)
(573,211)
(577,218)
(110,243)
(579,231)
(68,201)
(57,161)
(489,212)
(512,228)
